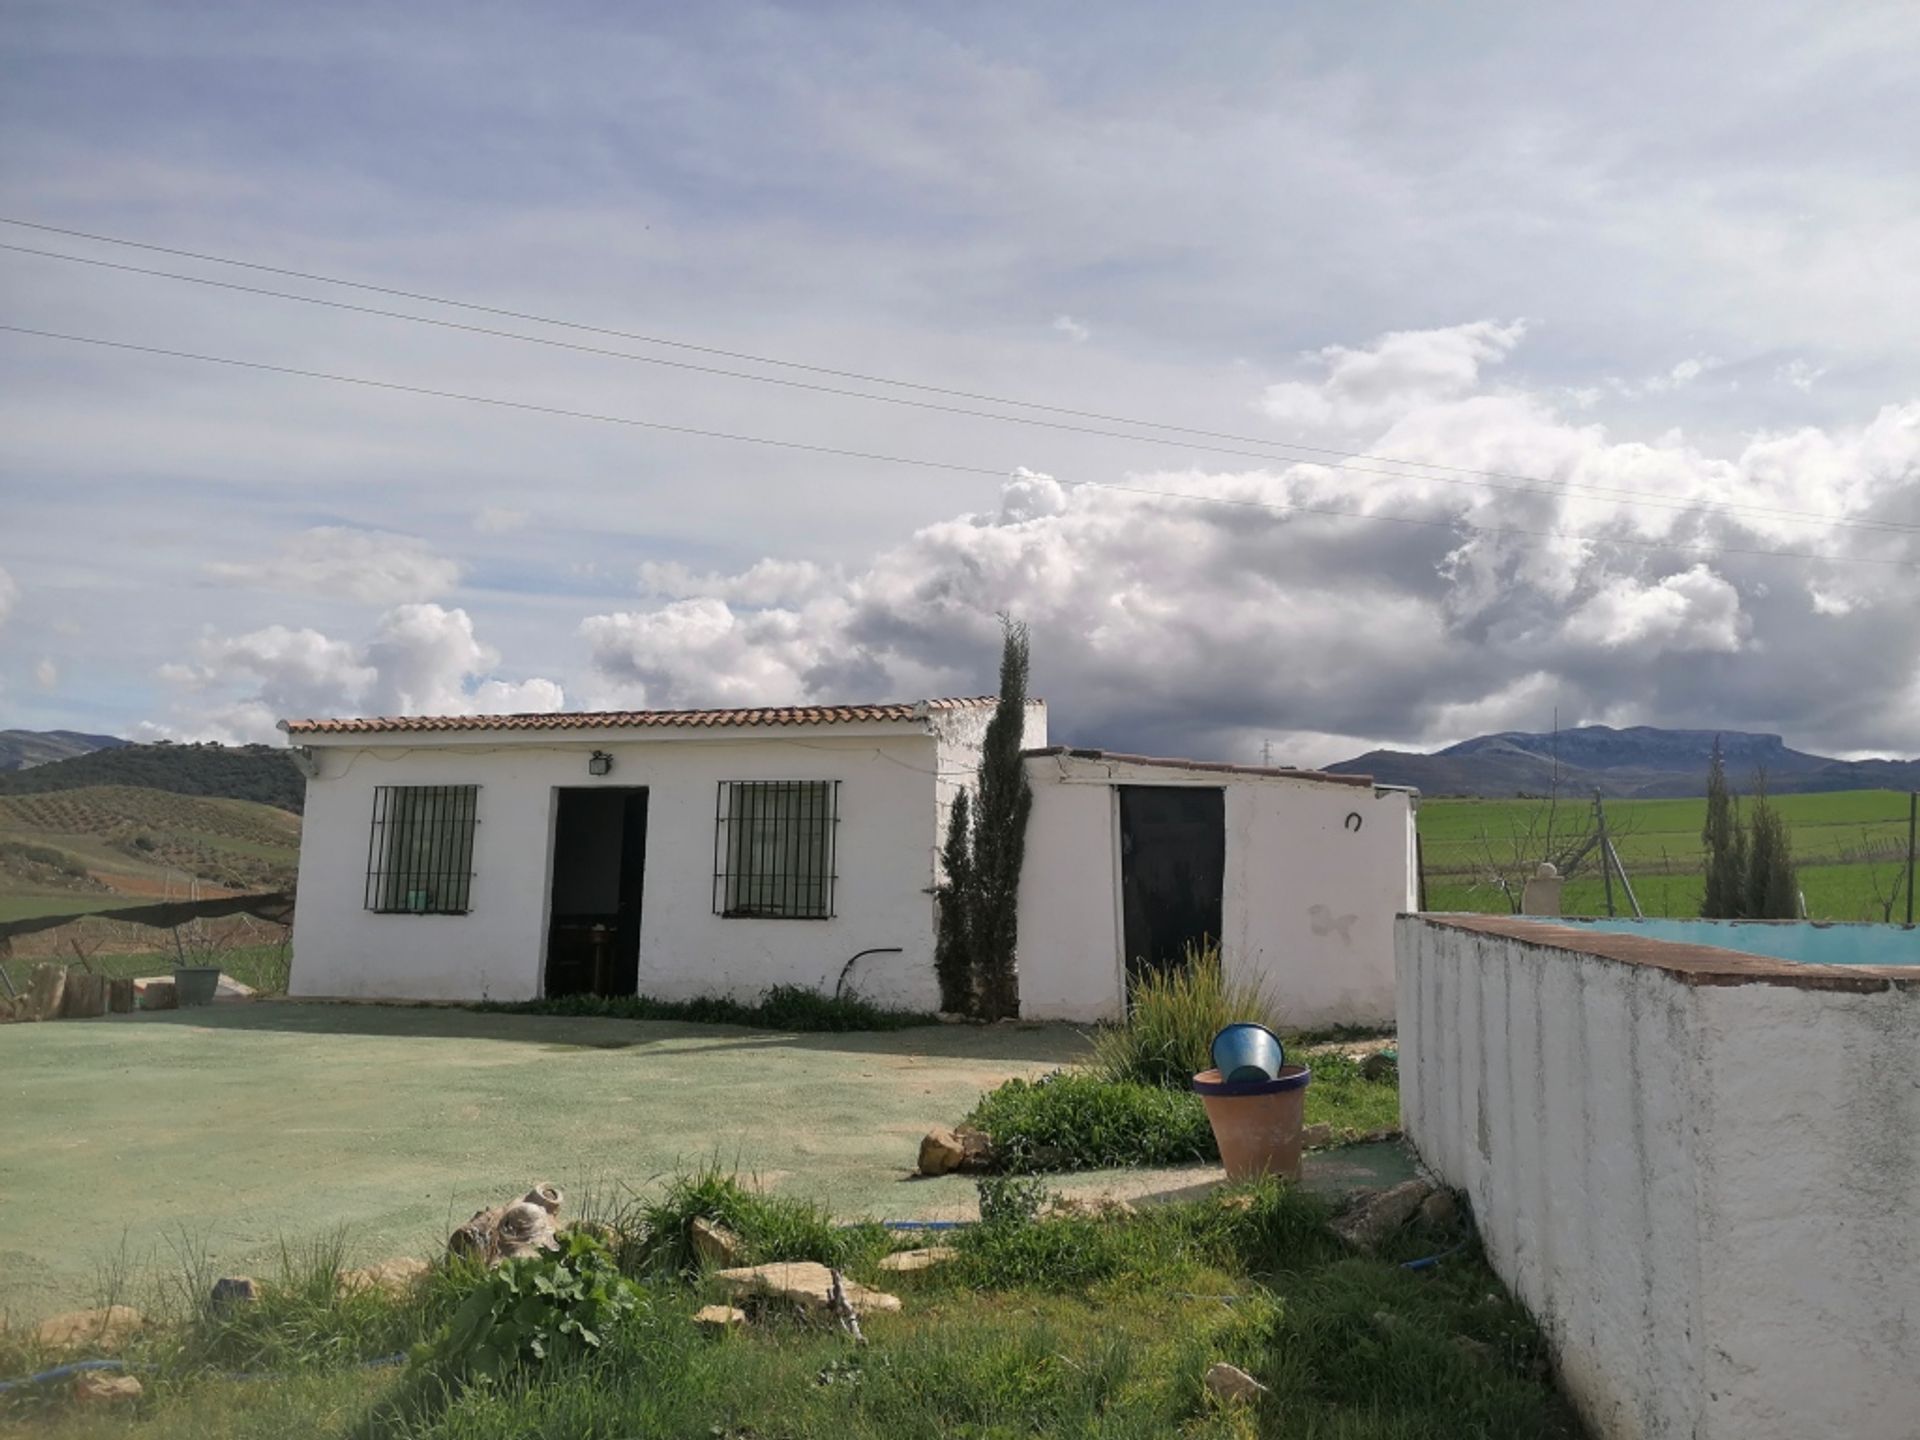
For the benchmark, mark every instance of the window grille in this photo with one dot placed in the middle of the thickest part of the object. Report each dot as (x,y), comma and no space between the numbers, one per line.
(420,852)
(773,848)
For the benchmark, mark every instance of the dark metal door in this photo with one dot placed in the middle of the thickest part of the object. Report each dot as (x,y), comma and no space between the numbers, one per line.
(1173,860)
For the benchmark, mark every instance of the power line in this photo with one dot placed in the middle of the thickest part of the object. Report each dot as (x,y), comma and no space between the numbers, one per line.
(1336,459)
(995,471)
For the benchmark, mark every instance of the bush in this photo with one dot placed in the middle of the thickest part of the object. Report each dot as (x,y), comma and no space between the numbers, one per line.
(542,1307)
(1174,1015)
(784,1007)
(1072,1121)
(770,1227)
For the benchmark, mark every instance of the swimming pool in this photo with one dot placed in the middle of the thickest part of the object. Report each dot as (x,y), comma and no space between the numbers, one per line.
(1800,941)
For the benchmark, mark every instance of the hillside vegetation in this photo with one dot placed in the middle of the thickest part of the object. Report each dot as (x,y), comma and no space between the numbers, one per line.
(105,846)
(264,774)
(1850,847)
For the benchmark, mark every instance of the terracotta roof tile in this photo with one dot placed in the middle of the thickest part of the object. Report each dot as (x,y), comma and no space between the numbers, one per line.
(637,719)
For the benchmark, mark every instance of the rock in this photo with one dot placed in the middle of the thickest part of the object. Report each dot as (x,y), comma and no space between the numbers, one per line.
(106,1329)
(719,1317)
(1230,1383)
(1381,1065)
(941,1152)
(235,1290)
(903,1262)
(95,1387)
(1316,1137)
(1374,1217)
(507,1232)
(714,1242)
(1440,1210)
(396,1277)
(805,1282)
(46,991)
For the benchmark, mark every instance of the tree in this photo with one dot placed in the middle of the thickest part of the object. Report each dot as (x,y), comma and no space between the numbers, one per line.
(976,947)
(952,952)
(1772,890)
(1726,844)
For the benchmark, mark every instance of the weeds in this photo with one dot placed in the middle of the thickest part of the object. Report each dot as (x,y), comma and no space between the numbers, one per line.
(1173,1015)
(784,1007)
(770,1227)
(1075,1121)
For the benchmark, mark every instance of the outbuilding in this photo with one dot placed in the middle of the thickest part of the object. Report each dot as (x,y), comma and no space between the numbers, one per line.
(679,854)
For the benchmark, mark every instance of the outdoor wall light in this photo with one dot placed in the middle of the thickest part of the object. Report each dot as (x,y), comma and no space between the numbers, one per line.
(600,763)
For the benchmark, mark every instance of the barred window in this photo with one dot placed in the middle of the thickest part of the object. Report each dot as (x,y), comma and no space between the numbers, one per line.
(773,848)
(420,852)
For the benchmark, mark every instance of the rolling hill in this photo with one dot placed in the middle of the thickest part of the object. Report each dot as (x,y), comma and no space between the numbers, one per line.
(265,774)
(24,749)
(1640,761)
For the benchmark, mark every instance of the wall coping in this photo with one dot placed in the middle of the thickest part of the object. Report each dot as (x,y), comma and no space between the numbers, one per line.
(1698,965)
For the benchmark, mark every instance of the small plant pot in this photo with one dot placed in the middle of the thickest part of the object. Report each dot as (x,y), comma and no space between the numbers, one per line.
(196,984)
(1256,1123)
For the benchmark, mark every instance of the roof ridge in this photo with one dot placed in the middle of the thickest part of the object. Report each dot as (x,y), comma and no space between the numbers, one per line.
(821,714)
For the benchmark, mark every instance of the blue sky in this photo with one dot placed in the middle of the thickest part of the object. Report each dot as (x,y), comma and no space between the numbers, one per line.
(1633,251)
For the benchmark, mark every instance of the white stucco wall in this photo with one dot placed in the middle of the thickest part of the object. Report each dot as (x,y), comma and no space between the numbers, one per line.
(885,865)
(1703,1185)
(1308,903)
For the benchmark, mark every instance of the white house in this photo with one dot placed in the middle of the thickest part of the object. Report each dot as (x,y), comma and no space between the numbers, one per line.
(685,853)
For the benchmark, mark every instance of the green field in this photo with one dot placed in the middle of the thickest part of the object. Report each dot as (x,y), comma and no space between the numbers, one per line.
(1850,846)
(107,846)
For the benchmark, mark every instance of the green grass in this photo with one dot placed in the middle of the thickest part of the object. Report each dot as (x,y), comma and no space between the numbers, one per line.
(1099,1329)
(1841,842)
(791,1008)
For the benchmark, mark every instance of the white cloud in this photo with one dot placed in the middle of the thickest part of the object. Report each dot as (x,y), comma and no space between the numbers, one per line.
(1802,375)
(46,674)
(1071,328)
(375,567)
(497,520)
(1693,611)
(767,582)
(1401,371)
(421,660)
(9,594)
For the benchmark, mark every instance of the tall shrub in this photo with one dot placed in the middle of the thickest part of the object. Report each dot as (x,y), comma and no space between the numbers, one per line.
(1726,844)
(976,947)
(1173,1015)
(952,952)
(1772,891)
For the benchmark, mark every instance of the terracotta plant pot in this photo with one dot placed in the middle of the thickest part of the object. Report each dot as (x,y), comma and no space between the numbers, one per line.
(1256,1123)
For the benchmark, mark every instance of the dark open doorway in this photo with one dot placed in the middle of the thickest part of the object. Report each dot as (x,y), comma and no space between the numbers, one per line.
(599,866)
(1173,859)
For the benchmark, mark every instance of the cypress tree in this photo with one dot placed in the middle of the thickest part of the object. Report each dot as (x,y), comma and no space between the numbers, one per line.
(1000,835)
(1725,897)
(1772,890)
(952,954)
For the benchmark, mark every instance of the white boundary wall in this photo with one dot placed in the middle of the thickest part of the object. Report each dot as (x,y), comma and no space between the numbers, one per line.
(1701,1171)
(1308,900)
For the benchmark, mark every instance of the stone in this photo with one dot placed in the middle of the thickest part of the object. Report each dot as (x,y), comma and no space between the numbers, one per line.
(1374,1217)
(396,1277)
(507,1232)
(1440,1210)
(1380,1065)
(1316,1137)
(1231,1383)
(807,1283)
(714,1242)
(46,991)
(719,1317)
(941,1152)
(96,1387)
(235,1290)
(903,1262)
(106,1329)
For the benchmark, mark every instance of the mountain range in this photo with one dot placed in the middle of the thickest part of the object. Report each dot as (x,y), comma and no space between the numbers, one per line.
(24,749)
(1638,761)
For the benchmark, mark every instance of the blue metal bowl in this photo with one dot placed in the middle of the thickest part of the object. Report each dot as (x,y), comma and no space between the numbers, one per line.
(1247,1051)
